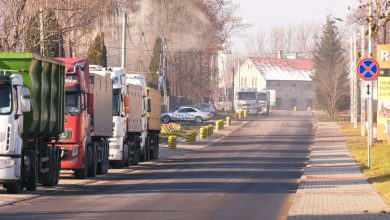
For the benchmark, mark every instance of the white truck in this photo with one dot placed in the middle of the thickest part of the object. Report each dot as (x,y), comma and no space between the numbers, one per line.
(136,119)
(256,102)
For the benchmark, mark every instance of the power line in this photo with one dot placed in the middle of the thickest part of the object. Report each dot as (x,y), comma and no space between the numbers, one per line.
(146,45)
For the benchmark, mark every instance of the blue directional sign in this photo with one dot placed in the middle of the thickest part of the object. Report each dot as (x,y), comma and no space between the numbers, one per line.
(368,69)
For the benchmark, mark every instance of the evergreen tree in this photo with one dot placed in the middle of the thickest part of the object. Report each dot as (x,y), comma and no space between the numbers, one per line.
(154,65)
(97,52)
(53,39)
(331,75)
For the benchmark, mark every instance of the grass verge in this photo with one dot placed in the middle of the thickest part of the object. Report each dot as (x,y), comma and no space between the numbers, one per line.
(379,172)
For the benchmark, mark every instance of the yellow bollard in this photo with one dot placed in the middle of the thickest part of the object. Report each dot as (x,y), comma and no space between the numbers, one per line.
(236,116)
(172,141)
(217,125)
(309,109)
(245,113)
(189,137)
(193,136)
(202,133)
(295,108)
(228,121)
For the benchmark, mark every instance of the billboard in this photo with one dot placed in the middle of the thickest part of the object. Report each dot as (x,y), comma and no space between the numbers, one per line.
(383,113)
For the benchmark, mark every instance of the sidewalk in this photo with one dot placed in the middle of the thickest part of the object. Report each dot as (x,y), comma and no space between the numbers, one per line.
(67,181)
(332,186)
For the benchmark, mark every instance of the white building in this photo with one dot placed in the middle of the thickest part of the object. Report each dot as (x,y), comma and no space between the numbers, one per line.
(290,78)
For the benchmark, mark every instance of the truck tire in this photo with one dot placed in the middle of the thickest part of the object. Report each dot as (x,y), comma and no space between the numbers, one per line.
(49,178)
(166,119)
(198,119)
(126,154)
(14,187)
(32,180)
(134,150)
(82,173)
(104,162)
(93,164)
(58,165)
(155,144)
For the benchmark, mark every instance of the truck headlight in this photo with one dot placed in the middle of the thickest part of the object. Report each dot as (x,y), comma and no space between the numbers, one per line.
(75,150)
(7,163)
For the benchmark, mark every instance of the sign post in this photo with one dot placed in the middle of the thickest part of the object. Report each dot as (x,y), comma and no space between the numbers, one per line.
(368,70)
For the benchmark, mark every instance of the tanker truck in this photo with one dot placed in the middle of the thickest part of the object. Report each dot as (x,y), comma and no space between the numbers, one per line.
(88,120)
(32,101)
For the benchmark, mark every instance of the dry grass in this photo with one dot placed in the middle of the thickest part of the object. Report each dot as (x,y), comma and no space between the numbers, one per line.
(379,172)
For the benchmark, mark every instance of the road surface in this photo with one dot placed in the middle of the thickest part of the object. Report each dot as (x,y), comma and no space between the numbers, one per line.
(251,174)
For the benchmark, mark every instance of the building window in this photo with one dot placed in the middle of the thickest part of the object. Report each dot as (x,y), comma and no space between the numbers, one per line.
(278,84)
(294,85)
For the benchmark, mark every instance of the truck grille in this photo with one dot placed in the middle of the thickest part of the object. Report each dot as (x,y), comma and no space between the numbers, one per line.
(8,138)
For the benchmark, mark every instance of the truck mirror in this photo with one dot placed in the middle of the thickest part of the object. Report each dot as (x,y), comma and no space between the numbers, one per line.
(90,104)
(126,101)
(149,106)
(25,100)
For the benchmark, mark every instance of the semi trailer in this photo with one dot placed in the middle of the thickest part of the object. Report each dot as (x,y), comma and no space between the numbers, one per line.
(32,100)
(88,120)
(136,119)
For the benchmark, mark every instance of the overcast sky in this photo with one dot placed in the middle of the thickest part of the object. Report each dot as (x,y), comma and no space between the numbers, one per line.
(264,14)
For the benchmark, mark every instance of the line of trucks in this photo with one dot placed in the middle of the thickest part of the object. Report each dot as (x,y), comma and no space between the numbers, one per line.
(256,102)
(64,114)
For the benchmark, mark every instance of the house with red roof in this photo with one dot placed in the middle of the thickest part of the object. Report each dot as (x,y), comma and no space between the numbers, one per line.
(291,79)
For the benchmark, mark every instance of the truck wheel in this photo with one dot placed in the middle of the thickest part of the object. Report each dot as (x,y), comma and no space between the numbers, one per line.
(14,187)
(93,166)
(32,180)
(58,166)
(134,150)
(157,146)
(126,154)
(104,162)
(48,179)
(82,173)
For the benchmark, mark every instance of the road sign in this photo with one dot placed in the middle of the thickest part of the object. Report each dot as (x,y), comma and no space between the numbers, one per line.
(367,89)
(368,69)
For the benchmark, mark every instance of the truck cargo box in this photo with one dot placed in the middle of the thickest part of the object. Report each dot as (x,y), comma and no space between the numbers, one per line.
(135,116)
(45,78)
(154,116)
(101,87)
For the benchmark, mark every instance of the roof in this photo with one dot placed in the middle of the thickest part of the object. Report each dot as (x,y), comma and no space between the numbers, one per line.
(284,69)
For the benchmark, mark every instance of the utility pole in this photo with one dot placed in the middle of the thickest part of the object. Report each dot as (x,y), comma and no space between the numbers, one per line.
(362,99)
(41,34)
(369,112)
(351,78)
(124,23)
(355,95)
(162,81)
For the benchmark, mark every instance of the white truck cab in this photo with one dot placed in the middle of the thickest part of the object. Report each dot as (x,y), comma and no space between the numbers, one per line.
(14,101)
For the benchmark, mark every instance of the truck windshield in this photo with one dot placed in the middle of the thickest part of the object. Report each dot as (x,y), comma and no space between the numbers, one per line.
(262,96)
(72,103)
(5,99)
(246,96)
(116,103)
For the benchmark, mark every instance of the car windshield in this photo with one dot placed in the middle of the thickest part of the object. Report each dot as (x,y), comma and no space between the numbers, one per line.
(246,96)
(262,96)
(116,103)
(5,99)
(72,103)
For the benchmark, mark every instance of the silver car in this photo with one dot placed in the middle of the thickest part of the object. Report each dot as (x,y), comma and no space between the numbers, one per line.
(186,114)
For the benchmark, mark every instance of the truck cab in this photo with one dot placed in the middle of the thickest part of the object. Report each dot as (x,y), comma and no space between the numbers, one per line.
(14,102)
(246,99)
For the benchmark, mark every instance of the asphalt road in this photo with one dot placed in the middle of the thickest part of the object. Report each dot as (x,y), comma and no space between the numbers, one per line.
(251,174)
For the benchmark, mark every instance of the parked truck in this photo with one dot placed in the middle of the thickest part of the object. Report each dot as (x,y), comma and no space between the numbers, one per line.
(32,101)
(246,99)
(88,120)
(263,102)
(136,118)
(149,115)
